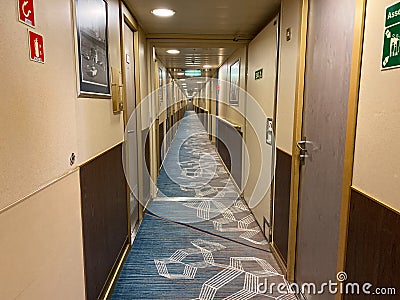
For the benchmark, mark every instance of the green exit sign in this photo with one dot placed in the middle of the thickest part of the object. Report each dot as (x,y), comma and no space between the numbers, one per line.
(259,74)
(193,73)
(391,38)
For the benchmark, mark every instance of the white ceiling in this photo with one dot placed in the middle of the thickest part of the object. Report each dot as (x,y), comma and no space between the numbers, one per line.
(204,31)
(228,17)
(194,58)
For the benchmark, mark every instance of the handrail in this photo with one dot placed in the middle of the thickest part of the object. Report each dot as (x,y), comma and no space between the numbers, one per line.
(238,127)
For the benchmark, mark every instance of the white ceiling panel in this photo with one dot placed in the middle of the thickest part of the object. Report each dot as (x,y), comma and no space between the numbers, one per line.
(229,17)
(206,32)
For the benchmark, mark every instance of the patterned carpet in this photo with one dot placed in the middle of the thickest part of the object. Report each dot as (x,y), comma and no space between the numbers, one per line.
(198,239)
(192,167)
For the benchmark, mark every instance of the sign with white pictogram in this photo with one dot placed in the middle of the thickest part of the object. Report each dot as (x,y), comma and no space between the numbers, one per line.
(26,12)
(36,47)
(391,39)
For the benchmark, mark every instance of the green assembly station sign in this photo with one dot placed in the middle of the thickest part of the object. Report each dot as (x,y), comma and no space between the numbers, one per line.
(391,43)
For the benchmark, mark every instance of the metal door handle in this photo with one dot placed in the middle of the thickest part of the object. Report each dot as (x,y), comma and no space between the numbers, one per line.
(303,151)
(300,143)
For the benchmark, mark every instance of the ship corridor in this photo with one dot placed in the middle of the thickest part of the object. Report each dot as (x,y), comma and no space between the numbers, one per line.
(213,149)
(198,238)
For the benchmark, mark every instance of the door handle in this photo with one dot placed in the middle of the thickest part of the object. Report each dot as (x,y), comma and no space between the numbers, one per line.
(303,151)
(300,144)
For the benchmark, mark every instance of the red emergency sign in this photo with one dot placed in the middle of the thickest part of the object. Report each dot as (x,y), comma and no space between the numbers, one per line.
(26,12)
(36,47)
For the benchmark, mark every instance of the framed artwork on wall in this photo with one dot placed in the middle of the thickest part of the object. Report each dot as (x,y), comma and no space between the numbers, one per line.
(92,47)
(160,84)
(234,83)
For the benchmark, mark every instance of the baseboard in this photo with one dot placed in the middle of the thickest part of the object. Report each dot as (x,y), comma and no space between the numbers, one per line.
(112,278)
(278,258)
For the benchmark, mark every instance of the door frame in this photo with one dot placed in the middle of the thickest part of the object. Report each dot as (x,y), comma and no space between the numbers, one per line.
(127,18)
(354,92)
(297,131)
(350,135)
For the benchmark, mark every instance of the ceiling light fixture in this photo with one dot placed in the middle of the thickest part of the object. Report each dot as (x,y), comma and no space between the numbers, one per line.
(180,73)
(207,67)
(163,12)
(173,51)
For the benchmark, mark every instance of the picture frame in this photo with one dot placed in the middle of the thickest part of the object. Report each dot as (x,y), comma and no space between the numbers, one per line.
(91,17)
(234,80)
(160,85)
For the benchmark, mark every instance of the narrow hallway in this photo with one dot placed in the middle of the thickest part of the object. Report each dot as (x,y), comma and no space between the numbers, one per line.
(198,239)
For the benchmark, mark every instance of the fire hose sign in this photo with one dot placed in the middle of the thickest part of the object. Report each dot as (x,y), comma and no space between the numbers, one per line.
(26,13)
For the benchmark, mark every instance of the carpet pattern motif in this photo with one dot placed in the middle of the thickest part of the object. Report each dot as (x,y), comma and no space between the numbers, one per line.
(172,261)
(198,239)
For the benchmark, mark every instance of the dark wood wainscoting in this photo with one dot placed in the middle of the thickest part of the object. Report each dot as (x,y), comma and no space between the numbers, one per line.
(146,163)
(373,249)
(224,153)
(282,203)
(147,156)
(229,146)
(206,117)
(104,218)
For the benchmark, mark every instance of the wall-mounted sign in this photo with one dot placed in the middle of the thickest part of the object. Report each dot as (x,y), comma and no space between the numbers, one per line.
(36,47)
(391,40)
(259,74)
(26,12)
(193,73)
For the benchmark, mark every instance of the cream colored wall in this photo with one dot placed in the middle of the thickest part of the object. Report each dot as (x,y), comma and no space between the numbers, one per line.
(376,162)
(288,62)
(262,54)
(38,123)
(41,245)
(235,115)
(43,123)
(98,128)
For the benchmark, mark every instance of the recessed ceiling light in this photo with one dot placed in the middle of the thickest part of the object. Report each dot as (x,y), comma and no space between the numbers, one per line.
(207,67)
(180,74)
(173,51)
(163,12)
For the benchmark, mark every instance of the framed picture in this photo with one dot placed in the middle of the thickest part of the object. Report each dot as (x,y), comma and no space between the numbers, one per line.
(160,85)
(234,83)
(92,37)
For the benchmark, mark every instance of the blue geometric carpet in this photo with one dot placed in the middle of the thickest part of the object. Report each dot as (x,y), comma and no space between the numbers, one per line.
(198,239)
(171,261)
(195,188)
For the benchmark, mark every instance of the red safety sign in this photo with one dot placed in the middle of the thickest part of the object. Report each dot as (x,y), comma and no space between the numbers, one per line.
(26,12)
(36,47)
